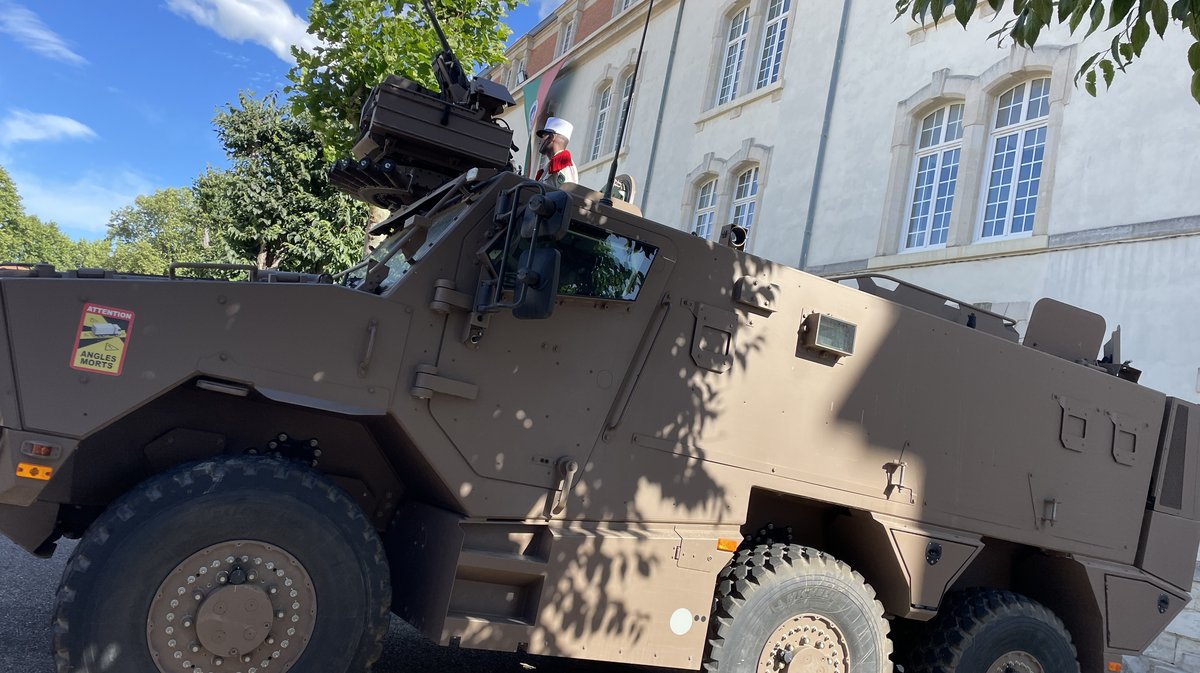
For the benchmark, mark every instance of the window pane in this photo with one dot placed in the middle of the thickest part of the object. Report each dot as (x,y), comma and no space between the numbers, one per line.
(1004,158)
(743,215)
(954,125)
(1009,111)
(1029,179)
(947,180)
(918,218)
(703,227)
(1039,99)
(707,195)
(601,122)
(595,263)
(747,184)
(626,97)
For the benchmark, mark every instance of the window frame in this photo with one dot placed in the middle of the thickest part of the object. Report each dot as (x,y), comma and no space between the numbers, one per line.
(1021,130)
(750,200)
(938,149)
(740,43)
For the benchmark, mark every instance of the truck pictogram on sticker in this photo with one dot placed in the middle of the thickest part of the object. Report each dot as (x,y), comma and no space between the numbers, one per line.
(102,339)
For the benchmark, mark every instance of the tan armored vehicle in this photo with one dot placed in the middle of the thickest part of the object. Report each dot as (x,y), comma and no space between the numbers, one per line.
(533,422)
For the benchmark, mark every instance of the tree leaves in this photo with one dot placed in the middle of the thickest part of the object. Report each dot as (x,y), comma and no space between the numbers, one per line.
(364,41)
(275,205)
(1132,21)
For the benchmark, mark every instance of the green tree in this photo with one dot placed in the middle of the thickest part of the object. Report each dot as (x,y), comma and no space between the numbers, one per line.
(364,41)
(160,228)
(1132,22)
(275,205)
(10,200)
(25,239)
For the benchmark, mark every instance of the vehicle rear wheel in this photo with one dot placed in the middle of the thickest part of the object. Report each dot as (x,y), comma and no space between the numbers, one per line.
(991,631)
(792,608)
(225,566)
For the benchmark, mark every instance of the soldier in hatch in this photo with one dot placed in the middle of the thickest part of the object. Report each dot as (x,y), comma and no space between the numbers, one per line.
(554,138)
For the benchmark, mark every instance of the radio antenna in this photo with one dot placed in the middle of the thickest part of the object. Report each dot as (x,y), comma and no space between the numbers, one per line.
(612,170)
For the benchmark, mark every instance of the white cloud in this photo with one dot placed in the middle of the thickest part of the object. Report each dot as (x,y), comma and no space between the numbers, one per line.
(24,126)
(26,28)
(80,206)
(269,23)
(546,7)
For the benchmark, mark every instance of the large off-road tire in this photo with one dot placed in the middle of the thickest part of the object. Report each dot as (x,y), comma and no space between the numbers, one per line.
(991,631)
(791,608)
(220,566)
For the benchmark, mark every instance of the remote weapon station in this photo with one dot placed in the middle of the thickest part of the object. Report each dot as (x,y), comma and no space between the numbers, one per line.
(533,422)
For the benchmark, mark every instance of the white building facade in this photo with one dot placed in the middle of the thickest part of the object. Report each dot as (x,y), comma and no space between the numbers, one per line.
(845,141)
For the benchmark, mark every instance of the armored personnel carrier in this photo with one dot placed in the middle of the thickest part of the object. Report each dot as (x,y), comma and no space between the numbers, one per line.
(533,422)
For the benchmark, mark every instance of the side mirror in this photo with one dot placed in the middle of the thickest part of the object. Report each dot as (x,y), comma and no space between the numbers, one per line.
(549,212)
(537,283)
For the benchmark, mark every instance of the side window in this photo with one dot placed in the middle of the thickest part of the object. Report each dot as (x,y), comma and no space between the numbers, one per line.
(1017,148)
(706,210)
(596,264)
(935,176)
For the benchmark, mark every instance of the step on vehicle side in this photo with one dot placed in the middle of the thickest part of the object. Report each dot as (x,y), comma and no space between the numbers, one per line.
(534,422)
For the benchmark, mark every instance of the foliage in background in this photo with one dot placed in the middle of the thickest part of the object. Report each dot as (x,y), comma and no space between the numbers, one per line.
(275,205)
(364,41)
(1134,19)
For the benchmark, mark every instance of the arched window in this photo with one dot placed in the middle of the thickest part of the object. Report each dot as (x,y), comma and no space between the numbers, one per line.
(745,198)
(626,98)
(1018,148)
(735,54)
(706,209)
(935,168)
(771,60)
(602,105)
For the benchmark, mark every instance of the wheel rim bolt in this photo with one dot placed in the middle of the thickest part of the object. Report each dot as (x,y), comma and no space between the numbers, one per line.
(273,590)
(218,661)
(198,596)
(187,622)
(270,640)
(246,659)
(279,614)
(195,648)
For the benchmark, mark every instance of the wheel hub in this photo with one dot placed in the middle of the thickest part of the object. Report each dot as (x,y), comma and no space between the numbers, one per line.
(241,606)
(1017,661)
(806,643)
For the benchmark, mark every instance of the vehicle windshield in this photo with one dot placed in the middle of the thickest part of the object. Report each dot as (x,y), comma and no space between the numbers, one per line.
(400,250)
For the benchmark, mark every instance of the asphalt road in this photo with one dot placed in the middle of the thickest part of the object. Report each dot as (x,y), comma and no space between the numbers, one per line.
(27,586)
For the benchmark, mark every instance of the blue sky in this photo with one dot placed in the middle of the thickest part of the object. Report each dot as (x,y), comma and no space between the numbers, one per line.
(103,101)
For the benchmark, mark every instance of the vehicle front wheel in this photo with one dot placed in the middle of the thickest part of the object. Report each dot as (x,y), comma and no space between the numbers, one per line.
(992,631)
(227,565)
(792,608)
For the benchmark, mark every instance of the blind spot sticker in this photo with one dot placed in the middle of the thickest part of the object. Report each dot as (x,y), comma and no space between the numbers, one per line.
(101,340)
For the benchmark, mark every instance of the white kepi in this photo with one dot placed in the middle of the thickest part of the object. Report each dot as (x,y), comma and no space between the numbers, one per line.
(555,125)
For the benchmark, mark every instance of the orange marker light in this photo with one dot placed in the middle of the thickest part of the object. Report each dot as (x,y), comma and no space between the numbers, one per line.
(726,544)
(31,471)
(1114,666)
